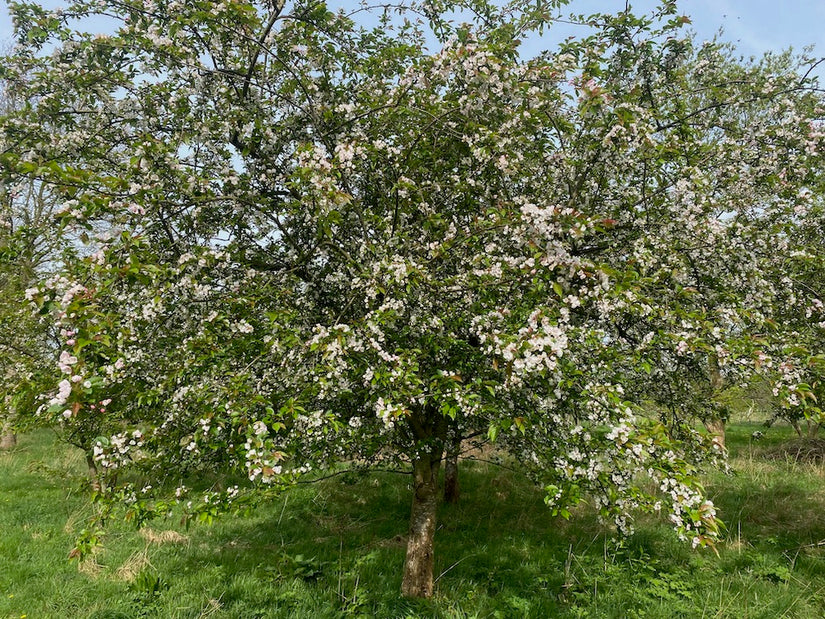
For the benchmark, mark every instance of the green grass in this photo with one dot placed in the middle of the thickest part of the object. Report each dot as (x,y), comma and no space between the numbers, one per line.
(335,549)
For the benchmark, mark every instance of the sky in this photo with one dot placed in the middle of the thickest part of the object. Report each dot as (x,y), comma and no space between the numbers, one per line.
(756,26)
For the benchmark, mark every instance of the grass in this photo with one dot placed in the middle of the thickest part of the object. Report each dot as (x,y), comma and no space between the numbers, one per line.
(335,549)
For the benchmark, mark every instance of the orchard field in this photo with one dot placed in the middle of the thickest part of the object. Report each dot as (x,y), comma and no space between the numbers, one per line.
(334,549)
(271,265)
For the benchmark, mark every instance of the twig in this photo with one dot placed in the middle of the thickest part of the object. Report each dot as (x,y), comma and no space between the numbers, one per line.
(283,509)
(452,566)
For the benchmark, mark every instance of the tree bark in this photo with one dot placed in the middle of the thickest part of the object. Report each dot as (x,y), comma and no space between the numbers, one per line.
(452,492)
(94,478)
(418,566)
(716,427)
(8,440)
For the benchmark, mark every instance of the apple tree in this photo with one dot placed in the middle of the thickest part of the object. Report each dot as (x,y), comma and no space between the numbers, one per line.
(341,239)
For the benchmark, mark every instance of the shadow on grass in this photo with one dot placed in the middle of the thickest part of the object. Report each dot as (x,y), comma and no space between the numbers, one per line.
(335,549)
(780,503)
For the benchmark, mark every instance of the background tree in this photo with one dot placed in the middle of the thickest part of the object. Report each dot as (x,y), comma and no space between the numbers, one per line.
(794,361)
(28,249)
(337,243)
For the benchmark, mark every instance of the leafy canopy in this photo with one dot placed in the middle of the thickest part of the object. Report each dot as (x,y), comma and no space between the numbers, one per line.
(340,237)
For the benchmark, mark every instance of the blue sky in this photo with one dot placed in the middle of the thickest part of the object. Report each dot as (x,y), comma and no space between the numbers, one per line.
(756,26)
(762,25)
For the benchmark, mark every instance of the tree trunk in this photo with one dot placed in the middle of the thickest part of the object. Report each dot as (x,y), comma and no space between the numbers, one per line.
(94,478)
(451,489)
(8,439)
(418,566)
(716,427)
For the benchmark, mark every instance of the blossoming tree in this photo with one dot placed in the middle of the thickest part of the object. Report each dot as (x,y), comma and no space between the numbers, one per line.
(793,361)
(345,239)
(29,244)
(24,340)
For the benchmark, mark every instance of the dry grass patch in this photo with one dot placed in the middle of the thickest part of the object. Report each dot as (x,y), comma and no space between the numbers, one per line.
(134,565)
(212,606)
(90,567)
(163,537)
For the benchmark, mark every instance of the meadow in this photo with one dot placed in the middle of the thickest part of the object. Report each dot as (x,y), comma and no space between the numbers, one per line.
(335,549)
